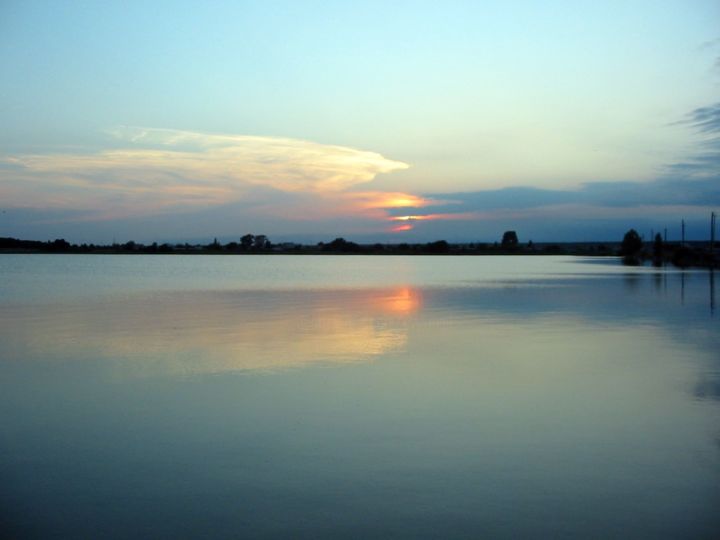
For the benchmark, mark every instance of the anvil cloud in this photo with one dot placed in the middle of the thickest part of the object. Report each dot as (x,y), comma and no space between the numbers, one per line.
(161,169)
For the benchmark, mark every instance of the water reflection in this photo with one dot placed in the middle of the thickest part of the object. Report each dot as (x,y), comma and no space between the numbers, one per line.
(682,288)
(677,283)
(211,332)
(660,282)
(195,332)
(708,387)
(544,408)
(711,275)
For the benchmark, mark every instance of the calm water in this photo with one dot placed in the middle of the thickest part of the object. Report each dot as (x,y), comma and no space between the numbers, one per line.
(356,397)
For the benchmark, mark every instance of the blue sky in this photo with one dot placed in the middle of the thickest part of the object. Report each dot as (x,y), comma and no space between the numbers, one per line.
(310,120)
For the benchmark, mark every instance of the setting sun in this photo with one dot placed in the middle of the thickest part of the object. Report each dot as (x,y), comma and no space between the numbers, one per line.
(394,200)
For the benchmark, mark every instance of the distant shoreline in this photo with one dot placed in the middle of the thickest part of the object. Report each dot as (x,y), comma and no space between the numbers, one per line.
(339,246)
(304,253)
(689,254)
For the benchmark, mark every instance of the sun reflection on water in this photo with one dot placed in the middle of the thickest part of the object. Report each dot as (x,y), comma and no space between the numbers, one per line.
(212,332)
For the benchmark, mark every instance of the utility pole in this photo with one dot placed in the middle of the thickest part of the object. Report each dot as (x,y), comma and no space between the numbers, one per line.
(713,217)
(682,241)
(665,235)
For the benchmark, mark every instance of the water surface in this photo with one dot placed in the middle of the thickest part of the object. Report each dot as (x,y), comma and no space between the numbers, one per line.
(326,397)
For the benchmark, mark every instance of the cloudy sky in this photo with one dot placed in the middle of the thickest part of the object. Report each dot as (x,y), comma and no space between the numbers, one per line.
(375,121)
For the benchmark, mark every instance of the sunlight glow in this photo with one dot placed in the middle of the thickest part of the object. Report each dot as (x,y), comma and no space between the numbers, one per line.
(162,168)
(323,327)
(402,301)
(459,216)
(409,218)
(381,199)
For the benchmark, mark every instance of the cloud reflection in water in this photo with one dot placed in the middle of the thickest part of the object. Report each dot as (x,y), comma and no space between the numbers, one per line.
(212,332)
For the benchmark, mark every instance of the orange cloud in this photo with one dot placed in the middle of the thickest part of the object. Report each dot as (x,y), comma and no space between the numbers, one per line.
(168,169)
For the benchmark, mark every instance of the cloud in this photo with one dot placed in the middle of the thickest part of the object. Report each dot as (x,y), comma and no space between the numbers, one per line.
(691,186)
(169,169)
(706,119)
(212,184)
(709,44)
(706,161)
(621,195)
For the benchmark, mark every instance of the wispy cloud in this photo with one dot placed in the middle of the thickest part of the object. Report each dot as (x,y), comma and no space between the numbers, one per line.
(705,163)
(706,119)
(598,199)
(712,45)
(164,169)
(690,186)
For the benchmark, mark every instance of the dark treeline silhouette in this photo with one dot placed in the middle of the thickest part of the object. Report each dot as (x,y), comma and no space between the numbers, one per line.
(632,249)
(635,252)
(249,244)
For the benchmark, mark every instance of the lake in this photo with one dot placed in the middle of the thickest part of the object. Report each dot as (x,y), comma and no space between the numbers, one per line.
(357,397)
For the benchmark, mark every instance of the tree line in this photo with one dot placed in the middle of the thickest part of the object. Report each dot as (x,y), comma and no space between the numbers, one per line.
(261,244)
(634,251)
(632,248)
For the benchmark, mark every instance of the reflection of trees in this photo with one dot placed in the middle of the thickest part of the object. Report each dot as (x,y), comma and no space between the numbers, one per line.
(632,282)
(708,387)
(659,281)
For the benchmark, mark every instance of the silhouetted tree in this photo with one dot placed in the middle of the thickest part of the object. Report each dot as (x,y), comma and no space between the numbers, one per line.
(59,244)
(658,249)
(658,246)
(630,247)
(631,244)
(247,241)
(441,246)
(261,242)
(509,239)
(341,245)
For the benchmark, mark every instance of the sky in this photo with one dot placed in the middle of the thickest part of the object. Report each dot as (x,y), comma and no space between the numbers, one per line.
(373,121)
